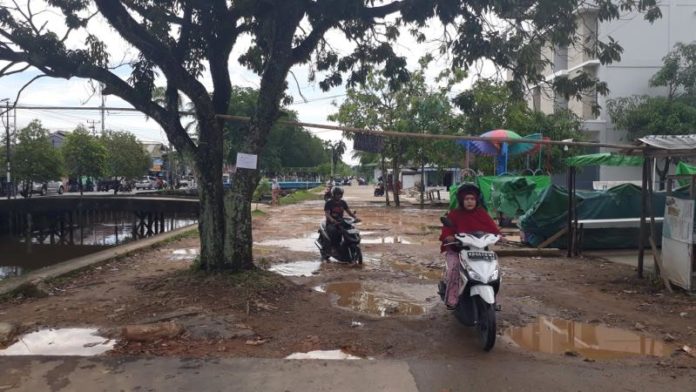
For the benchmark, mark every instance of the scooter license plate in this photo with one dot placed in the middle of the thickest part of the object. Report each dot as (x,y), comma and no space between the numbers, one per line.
(480,256)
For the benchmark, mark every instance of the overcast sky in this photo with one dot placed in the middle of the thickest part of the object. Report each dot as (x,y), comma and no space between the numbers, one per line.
(77,92)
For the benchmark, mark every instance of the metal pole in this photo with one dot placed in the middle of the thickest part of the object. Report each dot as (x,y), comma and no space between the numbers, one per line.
(643,208)
(7,146)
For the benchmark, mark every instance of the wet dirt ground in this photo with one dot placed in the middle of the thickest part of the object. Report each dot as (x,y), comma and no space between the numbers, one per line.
(553,309)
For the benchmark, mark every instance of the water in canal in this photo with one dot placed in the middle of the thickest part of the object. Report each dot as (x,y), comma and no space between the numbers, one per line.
(50,242)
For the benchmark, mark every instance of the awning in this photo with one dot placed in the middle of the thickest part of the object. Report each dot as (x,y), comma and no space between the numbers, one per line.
(605,159)
(670,142)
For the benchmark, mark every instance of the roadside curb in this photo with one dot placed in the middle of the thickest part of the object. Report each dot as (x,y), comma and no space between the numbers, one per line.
(7,286)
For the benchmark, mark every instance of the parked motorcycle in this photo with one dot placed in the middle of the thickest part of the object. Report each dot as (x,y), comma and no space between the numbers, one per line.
(348,250)
(480,282)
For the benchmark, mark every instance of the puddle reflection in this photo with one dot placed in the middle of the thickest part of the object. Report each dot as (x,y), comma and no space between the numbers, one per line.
(297,268)
(366,298)
(556,336)
(184,254)
(385,240)
(65,341)
(302,244)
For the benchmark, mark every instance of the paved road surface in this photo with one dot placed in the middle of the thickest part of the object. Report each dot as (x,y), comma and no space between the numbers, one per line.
(478,373)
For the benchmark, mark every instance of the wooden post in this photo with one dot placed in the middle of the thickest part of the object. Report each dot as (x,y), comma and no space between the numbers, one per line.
(657,257)
(643,201)
(570,232)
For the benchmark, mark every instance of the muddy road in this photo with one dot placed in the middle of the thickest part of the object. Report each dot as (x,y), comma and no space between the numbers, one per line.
(572,315)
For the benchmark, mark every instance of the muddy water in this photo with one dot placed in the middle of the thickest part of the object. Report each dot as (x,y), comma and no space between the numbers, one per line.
(188,254)
(20,256)
(380,299)
(297,268)
(66,341)
(384,240)
(305,243)
(557,336)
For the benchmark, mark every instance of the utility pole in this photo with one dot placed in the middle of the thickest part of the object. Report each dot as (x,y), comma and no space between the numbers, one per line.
(92,126)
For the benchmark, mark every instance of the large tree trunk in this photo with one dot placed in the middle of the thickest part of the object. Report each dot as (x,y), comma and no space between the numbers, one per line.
(238,241)
(422,187)
(395,180)
(385,184)
(211,218)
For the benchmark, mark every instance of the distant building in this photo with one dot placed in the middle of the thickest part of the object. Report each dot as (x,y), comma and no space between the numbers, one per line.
(644,45)
(158,153)
(57,138)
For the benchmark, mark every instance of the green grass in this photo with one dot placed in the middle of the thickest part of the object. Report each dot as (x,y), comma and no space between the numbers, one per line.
(299,197)
(258,212)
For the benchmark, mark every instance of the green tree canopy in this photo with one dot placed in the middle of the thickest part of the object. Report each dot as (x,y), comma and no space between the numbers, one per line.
(84,155)
(287,145)
(34,157)
(188,45)
(125,156)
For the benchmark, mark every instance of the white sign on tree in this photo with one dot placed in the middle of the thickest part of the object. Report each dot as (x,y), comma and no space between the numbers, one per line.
(246,161)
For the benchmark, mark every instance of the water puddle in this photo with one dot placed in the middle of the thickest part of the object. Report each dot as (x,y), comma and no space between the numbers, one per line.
(184,254)
(64,341)
(380,299)
(297,268)
(385,240)
(323,354)
(556,336)
(302,244)
(419,271)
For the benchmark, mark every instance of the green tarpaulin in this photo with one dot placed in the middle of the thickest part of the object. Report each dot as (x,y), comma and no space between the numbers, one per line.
(550,214)
(682,170)
(605,159)
(511,195)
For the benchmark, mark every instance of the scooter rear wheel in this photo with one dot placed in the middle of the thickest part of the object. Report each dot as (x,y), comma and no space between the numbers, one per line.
(486,323)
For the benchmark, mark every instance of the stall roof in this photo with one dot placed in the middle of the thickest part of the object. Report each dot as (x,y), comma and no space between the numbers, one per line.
(605,159)
(667,146)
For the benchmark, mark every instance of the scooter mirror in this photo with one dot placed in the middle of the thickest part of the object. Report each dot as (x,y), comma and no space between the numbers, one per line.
(446,222)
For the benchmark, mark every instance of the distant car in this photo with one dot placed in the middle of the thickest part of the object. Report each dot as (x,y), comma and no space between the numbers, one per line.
(347,181)
(43,188)
(146,183)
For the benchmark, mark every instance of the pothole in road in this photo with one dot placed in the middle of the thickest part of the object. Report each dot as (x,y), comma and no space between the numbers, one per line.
(323,354)
(419,271)
(64,341)
(184,254)
(380,299)
(557,336)
(301,244)
(296,268)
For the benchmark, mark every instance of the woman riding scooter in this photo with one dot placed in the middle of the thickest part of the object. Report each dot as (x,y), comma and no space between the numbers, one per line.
(468,217)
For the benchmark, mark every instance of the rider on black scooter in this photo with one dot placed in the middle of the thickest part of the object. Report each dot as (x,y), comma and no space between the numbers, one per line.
(333,209)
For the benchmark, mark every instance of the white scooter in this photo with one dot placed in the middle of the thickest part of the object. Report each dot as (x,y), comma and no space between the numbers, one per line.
(480,281)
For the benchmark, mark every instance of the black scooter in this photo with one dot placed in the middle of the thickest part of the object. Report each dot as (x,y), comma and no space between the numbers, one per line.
(348,250)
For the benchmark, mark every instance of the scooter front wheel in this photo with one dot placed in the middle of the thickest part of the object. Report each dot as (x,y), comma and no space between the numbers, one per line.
(486,323)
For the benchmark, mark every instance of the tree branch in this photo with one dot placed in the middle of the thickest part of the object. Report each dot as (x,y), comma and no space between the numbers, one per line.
(157,52)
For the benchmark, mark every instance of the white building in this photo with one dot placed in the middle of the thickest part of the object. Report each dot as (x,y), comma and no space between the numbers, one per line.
(644,45)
